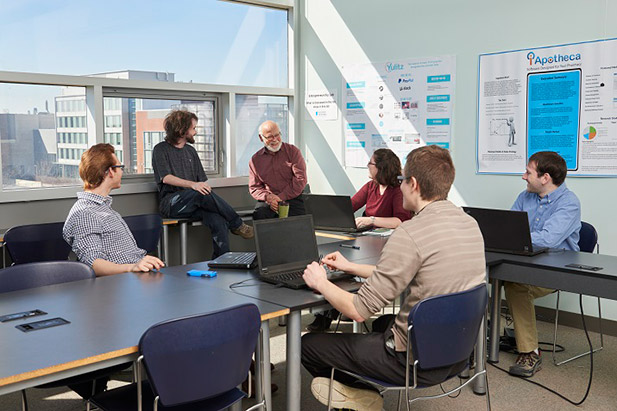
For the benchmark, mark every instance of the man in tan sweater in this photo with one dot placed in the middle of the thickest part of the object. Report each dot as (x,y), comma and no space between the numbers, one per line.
(439,251)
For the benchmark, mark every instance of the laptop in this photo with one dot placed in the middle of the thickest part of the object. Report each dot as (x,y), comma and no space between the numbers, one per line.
(285,246)
(505,231)
(332,213)
(234,259)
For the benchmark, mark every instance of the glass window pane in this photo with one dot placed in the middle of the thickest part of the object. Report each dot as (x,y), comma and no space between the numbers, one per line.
(35,133)
(251,111)
(141,127)
(247,44)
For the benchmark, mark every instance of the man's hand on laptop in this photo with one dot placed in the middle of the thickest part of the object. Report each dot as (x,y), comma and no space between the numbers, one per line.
(148,263)
(336,261)
(315,276)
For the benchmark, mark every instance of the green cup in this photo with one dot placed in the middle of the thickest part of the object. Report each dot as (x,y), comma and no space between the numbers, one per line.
(283,209)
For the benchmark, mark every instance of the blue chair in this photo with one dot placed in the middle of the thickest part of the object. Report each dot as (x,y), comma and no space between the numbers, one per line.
(192,363)
(588,242)
(443,331)
(32,275)
(146,229)
(36,242)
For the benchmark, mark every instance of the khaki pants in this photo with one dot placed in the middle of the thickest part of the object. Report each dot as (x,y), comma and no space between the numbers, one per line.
(520,298)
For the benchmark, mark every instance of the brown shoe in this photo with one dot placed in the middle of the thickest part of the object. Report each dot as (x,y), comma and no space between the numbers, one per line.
(245,231)
(527,364)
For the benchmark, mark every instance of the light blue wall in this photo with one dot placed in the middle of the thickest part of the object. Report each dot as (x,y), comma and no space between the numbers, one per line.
(342,32)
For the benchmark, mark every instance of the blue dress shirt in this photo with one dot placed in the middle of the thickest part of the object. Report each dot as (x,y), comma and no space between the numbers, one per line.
(555,220)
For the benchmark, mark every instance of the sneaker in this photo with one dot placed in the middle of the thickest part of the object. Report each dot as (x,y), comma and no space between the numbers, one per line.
(320,324)
(346,397)
(245,231)
(527,364)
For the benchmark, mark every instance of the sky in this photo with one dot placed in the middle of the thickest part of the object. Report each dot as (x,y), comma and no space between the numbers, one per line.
(203,41)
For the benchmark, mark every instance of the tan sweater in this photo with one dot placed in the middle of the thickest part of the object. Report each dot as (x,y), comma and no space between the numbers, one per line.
(439,251)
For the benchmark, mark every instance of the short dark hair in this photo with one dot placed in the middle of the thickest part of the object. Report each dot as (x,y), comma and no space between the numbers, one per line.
(433,169)
(177,124)
(551,163)
(388,167)
(94,164)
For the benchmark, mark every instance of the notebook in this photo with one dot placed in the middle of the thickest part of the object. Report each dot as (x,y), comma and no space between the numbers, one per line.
(332,213)
(285,246)
(234,259)
(505,231)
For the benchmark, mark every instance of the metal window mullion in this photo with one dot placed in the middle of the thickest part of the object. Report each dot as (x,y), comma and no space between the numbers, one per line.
(229,122)
(94,115)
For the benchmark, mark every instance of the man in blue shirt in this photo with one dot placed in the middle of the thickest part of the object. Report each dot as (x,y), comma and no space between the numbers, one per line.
(554,214)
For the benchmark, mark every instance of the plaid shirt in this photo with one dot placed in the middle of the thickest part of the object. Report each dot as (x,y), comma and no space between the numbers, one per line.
(94,230)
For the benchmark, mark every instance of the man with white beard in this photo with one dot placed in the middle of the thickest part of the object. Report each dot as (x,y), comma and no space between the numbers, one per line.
(277,172)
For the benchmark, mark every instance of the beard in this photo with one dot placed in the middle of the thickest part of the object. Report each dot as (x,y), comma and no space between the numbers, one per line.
(190,139)
(274,149)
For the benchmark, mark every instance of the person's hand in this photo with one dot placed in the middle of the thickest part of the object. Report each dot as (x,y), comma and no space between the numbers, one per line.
(315,276)
(336,261)
(273,202)
(363,222)
(148,263)
(202,187)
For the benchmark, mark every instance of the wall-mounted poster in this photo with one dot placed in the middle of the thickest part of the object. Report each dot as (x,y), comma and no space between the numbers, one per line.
(561,98)
(399,105)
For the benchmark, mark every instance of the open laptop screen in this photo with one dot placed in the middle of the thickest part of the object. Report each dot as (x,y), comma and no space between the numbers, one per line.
(285,244)
(330,211)
(503,230)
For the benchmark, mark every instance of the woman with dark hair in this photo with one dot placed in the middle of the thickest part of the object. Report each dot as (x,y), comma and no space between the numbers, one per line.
(382,194)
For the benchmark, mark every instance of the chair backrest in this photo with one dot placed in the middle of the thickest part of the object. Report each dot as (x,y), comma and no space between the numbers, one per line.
(36,242)
(32,275)
(588,237)
(445,327)
(202,356)
(146,229)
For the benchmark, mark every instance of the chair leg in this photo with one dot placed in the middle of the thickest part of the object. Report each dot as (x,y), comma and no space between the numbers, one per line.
(330,389)
(583,353)
(24,401)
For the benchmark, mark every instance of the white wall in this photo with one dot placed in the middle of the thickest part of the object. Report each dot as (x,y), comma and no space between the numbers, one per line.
(342,32)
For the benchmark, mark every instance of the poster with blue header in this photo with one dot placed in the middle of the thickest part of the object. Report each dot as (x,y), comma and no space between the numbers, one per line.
(561,98)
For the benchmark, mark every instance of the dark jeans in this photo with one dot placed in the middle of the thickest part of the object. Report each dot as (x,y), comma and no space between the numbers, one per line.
(213,211)
(263,211)
(367,355)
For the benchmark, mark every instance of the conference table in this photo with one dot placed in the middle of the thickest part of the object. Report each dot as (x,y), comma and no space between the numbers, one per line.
(107,317)
(247,283)
(548,270)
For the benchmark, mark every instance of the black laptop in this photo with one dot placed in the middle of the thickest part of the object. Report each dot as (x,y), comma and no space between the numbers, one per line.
(505,231)
(332,213)
(285,246)
(235,259)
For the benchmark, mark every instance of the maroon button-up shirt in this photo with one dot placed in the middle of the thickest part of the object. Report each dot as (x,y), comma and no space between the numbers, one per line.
(282,173)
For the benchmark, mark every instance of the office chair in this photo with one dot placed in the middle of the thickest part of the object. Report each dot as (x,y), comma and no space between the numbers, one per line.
(588,242)
(36,242)
(146,229)
(192,363)
(442,332)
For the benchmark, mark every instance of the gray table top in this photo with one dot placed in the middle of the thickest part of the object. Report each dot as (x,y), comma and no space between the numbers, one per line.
(107,317)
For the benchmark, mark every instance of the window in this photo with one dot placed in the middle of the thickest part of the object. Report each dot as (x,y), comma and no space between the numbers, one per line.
(139,135)
(251,111)
(247,44)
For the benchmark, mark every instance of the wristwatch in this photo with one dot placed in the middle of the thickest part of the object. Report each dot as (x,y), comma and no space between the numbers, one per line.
(373,219)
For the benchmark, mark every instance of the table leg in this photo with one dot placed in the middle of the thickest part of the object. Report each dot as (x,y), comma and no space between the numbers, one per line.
(262,362)
(294,383)
(183,241)
(493,353)
(165,245)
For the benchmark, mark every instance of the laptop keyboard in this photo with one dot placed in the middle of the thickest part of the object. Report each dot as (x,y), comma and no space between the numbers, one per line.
(294,275)
(245,258)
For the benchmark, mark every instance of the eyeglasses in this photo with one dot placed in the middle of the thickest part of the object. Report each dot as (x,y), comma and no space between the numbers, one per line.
(272,137)
(120,166)
(403,178)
